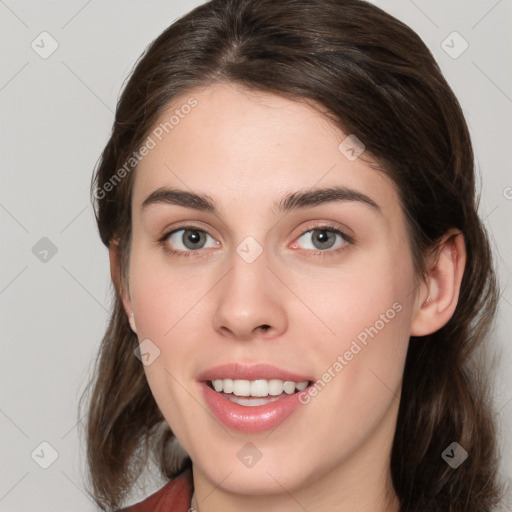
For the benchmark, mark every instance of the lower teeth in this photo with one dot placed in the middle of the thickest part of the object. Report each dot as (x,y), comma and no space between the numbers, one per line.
(251,401)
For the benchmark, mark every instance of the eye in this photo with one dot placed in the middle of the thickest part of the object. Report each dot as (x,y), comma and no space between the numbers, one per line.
(324,238)
(189,240)
(186,240)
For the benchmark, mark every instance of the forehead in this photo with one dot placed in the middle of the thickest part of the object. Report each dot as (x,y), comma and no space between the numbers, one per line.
(231,143)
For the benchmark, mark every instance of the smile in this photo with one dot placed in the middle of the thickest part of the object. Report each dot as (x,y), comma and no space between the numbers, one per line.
(252,398)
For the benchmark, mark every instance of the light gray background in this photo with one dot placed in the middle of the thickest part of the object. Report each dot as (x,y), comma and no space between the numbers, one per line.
(56,115)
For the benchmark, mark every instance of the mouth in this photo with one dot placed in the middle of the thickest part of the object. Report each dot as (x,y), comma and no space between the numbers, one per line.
(253,393)
(253,398)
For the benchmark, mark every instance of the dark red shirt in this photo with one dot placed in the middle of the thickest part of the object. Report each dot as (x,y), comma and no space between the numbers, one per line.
(172,497)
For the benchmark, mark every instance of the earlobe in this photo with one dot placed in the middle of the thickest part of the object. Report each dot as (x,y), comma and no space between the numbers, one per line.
(115,274)
(131,319)
(442,285)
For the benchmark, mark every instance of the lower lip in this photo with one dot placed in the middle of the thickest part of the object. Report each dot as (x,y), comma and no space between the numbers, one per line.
(246,418)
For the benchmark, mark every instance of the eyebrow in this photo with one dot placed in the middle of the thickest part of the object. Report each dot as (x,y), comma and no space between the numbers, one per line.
(292,201)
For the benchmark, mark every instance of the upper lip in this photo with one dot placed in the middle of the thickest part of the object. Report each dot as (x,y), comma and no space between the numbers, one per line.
(251,372)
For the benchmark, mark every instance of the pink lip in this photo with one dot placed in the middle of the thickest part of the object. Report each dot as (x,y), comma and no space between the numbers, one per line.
(249,419)
(245,418)
(253,372)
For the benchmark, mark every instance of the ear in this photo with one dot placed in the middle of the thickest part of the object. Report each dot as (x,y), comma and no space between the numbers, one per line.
(115,274)
(442,284)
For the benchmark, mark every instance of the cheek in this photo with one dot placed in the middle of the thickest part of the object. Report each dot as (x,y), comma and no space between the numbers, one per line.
(163,299)
(162,295)
(366,313)
(168,301)
(355,296)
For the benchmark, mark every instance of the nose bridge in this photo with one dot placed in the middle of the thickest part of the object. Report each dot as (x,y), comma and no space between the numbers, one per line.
(249,272)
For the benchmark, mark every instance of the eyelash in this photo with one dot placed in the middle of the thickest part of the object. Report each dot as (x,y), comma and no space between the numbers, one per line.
(349,240)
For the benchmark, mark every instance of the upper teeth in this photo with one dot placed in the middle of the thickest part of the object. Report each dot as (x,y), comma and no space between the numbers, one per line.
(259,387)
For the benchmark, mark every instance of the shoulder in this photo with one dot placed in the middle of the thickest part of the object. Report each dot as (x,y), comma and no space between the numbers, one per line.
(176,494)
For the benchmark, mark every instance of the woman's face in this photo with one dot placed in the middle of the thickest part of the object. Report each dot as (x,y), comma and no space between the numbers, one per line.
(267,286)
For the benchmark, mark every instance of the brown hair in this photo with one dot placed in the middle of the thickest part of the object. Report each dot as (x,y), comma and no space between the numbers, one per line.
(375,78)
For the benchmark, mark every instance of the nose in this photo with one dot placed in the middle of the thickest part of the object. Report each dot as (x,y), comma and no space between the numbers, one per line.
(250,301)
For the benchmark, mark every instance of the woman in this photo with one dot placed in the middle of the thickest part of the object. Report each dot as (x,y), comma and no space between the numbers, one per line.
(301,276)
